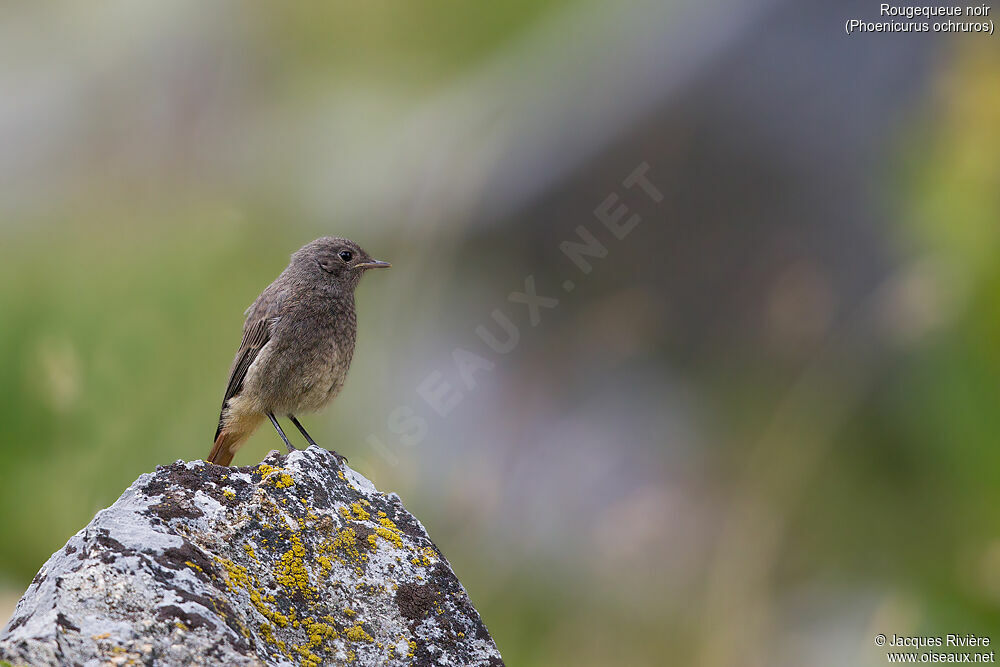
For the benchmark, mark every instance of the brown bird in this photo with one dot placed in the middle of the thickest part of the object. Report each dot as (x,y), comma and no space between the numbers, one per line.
(298,340)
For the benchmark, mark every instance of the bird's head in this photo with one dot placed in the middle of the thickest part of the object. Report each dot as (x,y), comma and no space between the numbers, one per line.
(335,260)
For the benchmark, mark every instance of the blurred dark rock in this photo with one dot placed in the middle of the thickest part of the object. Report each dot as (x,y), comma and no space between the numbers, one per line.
(773,156)
(298,560)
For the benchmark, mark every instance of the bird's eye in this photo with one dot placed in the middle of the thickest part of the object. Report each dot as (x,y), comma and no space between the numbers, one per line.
(346,255)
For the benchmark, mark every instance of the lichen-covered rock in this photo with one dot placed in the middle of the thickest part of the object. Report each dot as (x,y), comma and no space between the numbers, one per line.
(298,560)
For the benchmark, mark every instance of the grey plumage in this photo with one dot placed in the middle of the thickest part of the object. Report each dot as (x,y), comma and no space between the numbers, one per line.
(298,341)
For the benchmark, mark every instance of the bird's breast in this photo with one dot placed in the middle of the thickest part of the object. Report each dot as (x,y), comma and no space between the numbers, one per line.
(323,375)
(304,365)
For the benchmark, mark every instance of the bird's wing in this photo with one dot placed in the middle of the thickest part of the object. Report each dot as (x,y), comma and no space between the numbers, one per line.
(254,338)
(256,333)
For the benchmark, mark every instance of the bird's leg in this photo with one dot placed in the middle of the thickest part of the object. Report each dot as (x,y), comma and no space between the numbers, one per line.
(270,415)
(341,459)
(302,430)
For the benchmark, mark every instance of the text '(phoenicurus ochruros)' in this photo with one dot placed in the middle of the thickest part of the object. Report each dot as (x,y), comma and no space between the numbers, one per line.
(298,340)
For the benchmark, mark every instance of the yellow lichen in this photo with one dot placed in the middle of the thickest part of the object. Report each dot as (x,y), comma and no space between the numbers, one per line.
(309,659)
(325,564)
(283,481)
(237,577)
(389,536)
(357,634)
(319,632)
(345,548)
(359,512)
(425,557)
(229,494)
(267,633)
(291,570)
(390,532)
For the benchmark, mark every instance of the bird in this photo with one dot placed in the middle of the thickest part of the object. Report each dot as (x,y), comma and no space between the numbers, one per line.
(298,341)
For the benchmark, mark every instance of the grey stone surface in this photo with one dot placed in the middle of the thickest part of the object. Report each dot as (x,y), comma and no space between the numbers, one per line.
(298,560)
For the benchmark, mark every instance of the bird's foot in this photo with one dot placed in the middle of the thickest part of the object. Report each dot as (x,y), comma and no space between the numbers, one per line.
(341,459)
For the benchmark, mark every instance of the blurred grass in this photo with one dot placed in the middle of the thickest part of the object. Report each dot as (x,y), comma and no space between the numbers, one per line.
(908,498)
(416,43)
(109,362)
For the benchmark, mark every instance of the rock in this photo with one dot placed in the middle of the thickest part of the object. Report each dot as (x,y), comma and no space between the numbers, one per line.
(298,560)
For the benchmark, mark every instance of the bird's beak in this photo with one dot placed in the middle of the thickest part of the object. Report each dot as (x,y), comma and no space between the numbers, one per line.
(374,264)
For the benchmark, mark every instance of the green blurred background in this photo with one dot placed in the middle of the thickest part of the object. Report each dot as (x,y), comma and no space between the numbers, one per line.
(761,431)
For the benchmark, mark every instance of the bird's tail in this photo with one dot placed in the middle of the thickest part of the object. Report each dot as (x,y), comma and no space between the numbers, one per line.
(230,438)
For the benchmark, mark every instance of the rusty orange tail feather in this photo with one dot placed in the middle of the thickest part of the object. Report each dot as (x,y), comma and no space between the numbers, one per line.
(234,429)
(226,443)
(222,451)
